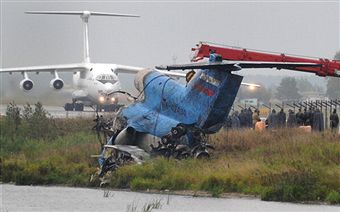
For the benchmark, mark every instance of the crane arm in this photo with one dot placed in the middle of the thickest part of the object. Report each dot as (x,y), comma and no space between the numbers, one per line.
(326,67)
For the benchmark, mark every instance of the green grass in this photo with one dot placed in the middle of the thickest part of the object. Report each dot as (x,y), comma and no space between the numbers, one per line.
(58,154)
(281,166)
(302,167)
(65,160)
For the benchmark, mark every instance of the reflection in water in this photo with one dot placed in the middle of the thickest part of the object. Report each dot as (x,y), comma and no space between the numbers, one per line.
(38,198)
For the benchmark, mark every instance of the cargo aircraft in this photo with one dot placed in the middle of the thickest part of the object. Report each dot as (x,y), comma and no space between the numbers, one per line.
(95,84)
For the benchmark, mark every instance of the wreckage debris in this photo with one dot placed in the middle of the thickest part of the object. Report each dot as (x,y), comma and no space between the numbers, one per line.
(174,145)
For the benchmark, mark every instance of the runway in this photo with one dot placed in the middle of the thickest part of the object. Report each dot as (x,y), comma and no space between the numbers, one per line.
(59,112)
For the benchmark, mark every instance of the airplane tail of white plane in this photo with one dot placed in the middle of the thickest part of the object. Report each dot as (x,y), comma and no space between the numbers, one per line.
(84,15)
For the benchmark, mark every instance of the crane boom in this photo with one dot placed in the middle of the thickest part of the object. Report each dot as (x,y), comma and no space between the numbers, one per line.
(327,67)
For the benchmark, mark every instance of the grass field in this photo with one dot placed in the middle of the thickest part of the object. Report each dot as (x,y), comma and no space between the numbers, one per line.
(280,166)
(283,165)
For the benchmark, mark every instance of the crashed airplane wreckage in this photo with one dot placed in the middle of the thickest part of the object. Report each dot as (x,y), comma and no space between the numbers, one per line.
(172,119)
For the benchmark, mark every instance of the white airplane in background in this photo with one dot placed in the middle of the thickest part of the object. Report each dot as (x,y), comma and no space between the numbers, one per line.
(93,82)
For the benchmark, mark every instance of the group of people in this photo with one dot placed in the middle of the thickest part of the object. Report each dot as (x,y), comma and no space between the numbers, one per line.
(312,117)
(237,120)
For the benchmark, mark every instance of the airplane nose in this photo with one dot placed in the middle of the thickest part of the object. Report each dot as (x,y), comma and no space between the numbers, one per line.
(109,87)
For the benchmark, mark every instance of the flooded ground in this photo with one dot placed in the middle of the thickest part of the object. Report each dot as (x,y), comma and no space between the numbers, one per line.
(39,198)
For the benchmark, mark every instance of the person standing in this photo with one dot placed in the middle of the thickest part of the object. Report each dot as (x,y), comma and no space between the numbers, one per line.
(242,118)
(235,121)
(299,118)
(272,120)
(281,119)
(249,118)
(334,118)
(317,121)
(256,117)
(291,121)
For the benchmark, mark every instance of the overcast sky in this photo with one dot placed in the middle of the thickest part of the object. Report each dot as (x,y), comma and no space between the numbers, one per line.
(165,30)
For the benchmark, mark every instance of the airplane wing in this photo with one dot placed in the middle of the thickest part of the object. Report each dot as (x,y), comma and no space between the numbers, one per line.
(127,69)
(73,67)
(134,70)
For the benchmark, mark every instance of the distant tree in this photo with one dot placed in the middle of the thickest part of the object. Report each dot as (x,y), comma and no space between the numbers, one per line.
(287,89)
(40,122)
(319,89)
(333,88)
(333,84)
(27,112)
(337,55)
(13,118)
(304,85)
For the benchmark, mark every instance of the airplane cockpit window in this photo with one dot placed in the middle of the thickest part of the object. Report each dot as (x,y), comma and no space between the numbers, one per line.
(104,78)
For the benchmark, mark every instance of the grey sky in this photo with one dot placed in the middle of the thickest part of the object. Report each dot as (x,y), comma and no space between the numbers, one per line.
(165,30)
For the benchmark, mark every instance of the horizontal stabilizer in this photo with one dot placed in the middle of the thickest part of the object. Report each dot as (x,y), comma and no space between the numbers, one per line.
(237,65)
(83,13)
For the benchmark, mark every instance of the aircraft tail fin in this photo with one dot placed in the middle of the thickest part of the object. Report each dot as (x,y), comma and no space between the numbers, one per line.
(211,94)
(84,15)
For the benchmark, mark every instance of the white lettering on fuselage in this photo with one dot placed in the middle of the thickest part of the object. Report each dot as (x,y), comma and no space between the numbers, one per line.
(209,79)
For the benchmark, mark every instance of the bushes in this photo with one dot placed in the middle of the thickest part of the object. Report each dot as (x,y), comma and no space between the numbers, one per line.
(36,123)
(43,150)
(143,184)
(219,184)
(39,174)
(296,185)
(333,197)
(52,170)
(31,123)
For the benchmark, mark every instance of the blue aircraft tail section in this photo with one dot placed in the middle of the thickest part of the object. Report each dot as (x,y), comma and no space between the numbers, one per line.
(205,101)
(211,95)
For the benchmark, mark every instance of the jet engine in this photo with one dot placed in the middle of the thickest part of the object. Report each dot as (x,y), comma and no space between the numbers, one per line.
(57,83)
(26,84)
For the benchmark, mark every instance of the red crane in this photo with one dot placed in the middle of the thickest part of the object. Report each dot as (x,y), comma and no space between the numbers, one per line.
(327,68)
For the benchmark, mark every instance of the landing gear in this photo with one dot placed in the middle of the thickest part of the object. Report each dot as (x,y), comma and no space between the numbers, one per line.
(108,108)
(74,107)
(78,107)
(69,106)
(174,145)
